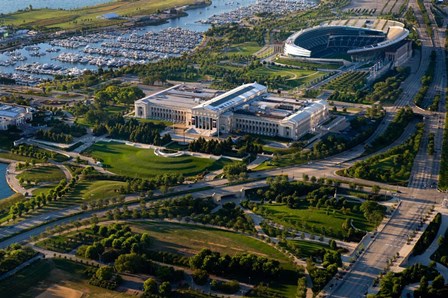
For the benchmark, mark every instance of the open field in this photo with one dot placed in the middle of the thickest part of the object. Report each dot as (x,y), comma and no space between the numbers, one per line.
(306,64)
(95,190)
(294,77)
(244,49)
(135,162)
(314,220)
(41,174)
(54,274)
(308,248)
(89,16)
(187,240)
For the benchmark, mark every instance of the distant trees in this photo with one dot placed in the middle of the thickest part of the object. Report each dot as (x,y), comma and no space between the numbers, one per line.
(150,286)
(392,284)
(132,130)
(118,94)
(235,170)
(373,211)
(428,236)
(13,256)
(320,277)
(215,147)
(255,266)
(395,128)
(401,157)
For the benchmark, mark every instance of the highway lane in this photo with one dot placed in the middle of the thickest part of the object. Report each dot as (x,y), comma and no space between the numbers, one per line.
(424,173)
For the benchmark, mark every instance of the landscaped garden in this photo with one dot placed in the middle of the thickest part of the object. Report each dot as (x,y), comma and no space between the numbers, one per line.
(39,174)
(136,162)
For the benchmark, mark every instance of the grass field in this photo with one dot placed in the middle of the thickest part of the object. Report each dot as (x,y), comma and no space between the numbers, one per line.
(294,77)
(89,16)
(308,248)
(135,162)
(188,239)
(36,278)
(244,49)
(95,190)
(41,174)
(313,220)
(43,189)
(306,64)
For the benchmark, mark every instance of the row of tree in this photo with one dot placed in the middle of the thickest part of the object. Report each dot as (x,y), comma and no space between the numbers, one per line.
(401,157)
(258,268)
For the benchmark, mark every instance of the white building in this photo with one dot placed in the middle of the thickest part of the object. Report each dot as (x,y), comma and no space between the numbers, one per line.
(14,116)
(248,109)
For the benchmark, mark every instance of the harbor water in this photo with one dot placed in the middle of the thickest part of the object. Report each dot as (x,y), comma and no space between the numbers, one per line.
(47,56)
(5,191)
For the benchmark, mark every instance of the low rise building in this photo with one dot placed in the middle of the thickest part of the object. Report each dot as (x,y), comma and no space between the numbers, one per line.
(247,109)
(14,116)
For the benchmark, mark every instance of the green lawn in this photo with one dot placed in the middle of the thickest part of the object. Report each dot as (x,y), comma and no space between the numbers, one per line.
(43,190)
(95,190)
(305,64)
(308,248)
(189,239)
(313,220)
(136,162)
(89,16)
(294,77)
(244,49)
(41,174)
(36,278)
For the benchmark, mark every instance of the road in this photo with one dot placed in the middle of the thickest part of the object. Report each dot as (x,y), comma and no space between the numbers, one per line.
(424,174)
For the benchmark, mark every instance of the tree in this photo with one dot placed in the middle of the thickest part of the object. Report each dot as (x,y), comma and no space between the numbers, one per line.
(200,277)
(438,282)
(165,289)
(423,288)
(376,189)
(129,263)
(150,286)
(104,273)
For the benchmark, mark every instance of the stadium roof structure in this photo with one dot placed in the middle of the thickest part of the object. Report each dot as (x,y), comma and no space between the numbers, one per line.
(352,37)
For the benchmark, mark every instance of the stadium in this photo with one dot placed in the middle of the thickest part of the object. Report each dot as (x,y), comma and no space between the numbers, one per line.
(352,40)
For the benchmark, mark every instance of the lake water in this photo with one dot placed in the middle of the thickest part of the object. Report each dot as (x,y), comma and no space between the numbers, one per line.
(5,191)
(8,6)
(191,22)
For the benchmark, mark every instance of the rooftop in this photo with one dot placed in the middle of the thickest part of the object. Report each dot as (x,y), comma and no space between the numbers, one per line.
(8,111)
(233,97)
(179,96)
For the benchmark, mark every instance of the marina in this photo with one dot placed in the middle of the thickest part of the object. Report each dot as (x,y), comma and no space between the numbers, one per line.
(274,7)
(111,49)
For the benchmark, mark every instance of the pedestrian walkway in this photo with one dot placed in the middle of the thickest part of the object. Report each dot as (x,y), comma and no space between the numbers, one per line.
(425,258)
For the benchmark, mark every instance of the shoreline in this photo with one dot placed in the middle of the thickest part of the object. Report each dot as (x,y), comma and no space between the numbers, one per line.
(8,163)
(162,18)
